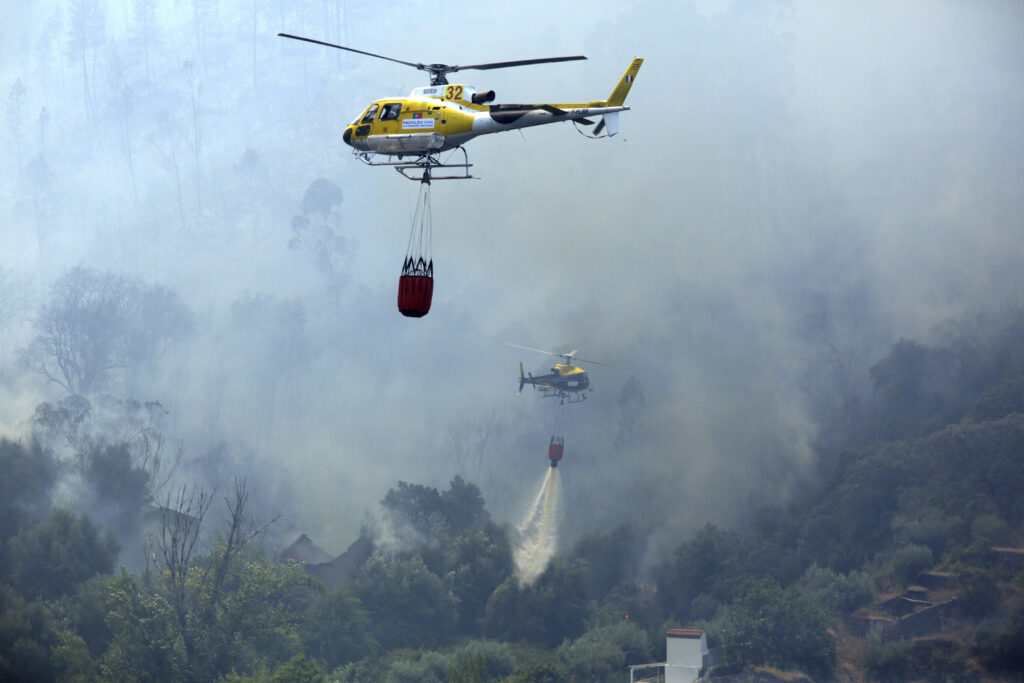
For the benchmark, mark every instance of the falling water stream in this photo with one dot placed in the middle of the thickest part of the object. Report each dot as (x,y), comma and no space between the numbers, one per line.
(538,532)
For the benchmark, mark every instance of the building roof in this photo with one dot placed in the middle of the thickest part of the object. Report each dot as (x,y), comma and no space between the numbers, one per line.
(304,550)
(684,633)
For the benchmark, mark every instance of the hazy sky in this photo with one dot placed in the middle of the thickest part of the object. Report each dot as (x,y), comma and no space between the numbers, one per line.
(862,160)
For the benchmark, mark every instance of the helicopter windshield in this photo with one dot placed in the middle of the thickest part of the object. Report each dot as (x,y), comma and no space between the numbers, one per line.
(370,113)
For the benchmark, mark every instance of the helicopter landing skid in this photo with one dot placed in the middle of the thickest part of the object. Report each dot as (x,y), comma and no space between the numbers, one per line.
(564,397)
(426,165)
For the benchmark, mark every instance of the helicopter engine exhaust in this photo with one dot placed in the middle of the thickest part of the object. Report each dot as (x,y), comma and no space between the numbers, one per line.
(483,97)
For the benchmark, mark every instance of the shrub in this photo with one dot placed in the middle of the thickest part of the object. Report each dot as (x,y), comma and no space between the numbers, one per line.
(888,661)
(911,560)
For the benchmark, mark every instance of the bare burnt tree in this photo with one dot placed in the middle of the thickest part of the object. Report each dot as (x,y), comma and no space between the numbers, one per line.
(15,115)
(13,307)
(467,443)
(197,585)
(317,228)
(40,205)
(143,26)
(270,340)
(86,33)
(164,140)
(195,90)
(176,542)
(74,429)
(98,323)
(630,429)
(149,444)
(253,171)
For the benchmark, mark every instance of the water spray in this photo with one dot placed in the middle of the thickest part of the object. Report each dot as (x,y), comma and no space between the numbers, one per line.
(538,532)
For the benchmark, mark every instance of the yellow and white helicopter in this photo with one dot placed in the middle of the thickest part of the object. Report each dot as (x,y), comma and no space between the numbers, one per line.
(566,380)
(444,116)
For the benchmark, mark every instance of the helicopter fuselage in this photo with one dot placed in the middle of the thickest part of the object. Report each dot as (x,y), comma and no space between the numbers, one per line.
(442,117)
(564,379)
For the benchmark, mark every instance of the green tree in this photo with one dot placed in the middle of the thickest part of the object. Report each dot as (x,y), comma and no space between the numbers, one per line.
(476,562)
(434,515)
(610,560)
(27,635)
(489,658)
(409,605)
(53,558)
(120,486)
(888,662)
(146,645)
(766,625)
(28,475)
(337,630)
(85,614)
(298,669)
(909,561)
(715,563)
(602,653)
(71,659)
(840,594)
(547,611)
(369,669)
(590,660)
(918,388)
(223,611)
(469,670)
(998,641)
(426,667)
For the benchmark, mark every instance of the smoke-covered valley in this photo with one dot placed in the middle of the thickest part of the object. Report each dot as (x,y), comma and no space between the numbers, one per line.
(796,187)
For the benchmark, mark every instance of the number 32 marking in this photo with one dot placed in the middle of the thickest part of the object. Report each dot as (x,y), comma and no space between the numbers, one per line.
(453,92)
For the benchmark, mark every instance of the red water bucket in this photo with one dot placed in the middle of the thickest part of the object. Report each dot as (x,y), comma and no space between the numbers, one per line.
(555,450)
(414,294)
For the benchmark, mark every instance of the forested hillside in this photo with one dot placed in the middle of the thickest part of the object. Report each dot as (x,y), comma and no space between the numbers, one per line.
(225,455)
(930,481)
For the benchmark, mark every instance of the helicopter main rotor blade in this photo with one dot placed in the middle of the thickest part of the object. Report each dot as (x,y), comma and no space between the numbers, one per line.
(530,348)
(351,49)
(571,356)
(594,362)
(519,62)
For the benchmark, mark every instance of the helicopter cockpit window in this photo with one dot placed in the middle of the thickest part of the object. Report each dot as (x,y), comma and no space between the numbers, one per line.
(370,113)
(391,112)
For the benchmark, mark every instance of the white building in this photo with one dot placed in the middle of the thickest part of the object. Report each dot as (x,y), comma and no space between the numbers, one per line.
(686,657)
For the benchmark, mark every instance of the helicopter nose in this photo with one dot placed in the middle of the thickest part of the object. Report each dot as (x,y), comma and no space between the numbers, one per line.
(347,135)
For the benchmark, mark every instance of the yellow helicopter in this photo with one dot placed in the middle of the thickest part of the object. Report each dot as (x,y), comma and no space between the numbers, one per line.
(444,116)
(566,381)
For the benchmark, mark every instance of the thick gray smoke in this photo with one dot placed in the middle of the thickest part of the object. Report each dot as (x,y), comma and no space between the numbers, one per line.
(793,178)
